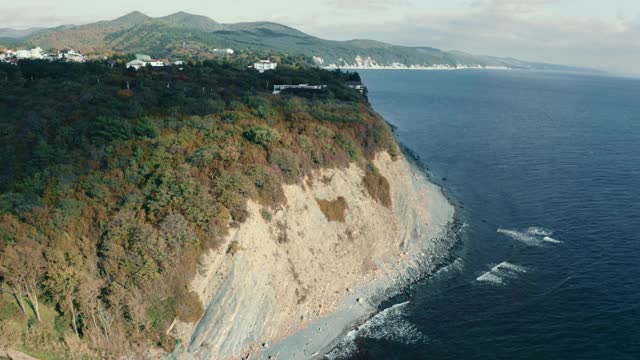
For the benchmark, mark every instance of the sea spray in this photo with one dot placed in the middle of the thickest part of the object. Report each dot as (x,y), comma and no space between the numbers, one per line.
(534,230)
(549,239)
(501,272)
(389,325)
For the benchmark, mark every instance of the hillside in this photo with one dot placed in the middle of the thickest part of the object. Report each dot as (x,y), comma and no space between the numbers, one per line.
(114,183)
(195,36)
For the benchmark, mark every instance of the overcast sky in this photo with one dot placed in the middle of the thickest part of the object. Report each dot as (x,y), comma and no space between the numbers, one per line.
(596,33)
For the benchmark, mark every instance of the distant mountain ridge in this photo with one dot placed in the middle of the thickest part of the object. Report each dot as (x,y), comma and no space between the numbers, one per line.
(18,33)
(187,35)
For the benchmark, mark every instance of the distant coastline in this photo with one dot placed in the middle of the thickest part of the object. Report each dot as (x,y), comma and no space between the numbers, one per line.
(416,67)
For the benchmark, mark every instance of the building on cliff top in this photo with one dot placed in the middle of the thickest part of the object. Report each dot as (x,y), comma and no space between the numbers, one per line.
(223,51)
(277,89)
(265,65)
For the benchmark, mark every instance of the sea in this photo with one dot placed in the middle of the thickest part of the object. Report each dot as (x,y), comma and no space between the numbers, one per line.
(544,172)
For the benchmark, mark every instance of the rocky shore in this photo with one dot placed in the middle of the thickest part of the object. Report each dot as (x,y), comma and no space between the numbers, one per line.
(297,281)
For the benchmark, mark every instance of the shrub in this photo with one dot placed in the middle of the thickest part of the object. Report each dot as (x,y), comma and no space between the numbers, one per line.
(230,117)
(334,210)
(266,214)
(201,158)
(159,313)
(176,231)
(377,186)
(232,189)
(262,135)
(8,310)
(68,209)
(348,146)
(267,184)
(189,308)
(234,247)
(145,128)
(287,162)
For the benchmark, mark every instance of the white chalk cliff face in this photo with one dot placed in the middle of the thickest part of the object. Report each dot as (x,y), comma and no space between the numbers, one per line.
(362,63)
(299,273)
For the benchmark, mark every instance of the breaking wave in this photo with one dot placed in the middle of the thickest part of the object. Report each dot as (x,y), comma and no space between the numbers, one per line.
(522,237)
(501,272)
(534,230)
(533,236)
(389,324)
(549,239)
(454,267)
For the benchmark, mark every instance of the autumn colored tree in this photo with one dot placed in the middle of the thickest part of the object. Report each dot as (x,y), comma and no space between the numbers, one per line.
(23,268)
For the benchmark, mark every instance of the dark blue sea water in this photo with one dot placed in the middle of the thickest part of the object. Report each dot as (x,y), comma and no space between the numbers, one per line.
(545,171)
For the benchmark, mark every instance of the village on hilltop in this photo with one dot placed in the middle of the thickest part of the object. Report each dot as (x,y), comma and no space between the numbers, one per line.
(12,56)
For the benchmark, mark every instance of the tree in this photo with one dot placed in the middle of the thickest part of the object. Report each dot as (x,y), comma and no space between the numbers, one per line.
(63,279)
(23,268)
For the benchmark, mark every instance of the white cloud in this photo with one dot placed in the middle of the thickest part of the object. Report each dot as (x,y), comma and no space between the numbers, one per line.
(531,30)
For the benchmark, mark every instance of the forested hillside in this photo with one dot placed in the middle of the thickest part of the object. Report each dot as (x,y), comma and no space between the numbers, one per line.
(114,182)
(191,36)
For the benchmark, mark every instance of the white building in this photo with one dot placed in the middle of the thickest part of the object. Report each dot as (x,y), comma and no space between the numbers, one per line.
(277,89)
(136,64)
(358,87)
(72,55)
(223,51)
(50,57)
(265,65)
(36,53)
(23,54)
(7,56)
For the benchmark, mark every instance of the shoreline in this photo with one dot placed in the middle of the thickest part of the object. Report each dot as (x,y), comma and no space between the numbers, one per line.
(418,68)
(321,336)
(298,299)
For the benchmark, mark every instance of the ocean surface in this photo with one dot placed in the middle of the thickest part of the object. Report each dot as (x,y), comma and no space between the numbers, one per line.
(544,169)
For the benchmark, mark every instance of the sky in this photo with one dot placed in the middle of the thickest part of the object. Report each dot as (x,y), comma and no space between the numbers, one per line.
(601,34)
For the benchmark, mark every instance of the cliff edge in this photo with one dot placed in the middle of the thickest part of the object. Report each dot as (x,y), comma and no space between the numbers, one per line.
(291,282)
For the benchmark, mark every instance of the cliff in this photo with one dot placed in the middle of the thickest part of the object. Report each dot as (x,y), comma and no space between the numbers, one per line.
(297,279)
(139,208)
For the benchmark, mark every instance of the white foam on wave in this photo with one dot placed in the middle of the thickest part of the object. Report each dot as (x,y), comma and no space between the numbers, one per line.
(549,239)
(490,277)
(534,230)
(511,267)
(453,267)
(388,324)
(499,273)
(521,237)
(464,226)
(533,236)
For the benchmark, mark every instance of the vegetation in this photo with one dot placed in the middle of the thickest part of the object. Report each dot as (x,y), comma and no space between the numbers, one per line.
(114,182)
(195,37)
(377,186)
(334,210)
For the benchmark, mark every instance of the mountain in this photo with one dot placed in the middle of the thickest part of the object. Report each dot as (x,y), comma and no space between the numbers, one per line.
(187,35)
(196,22)
(18,33)
(131,19)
